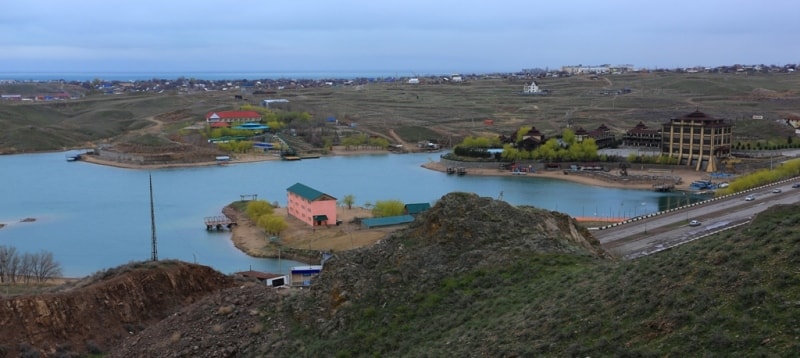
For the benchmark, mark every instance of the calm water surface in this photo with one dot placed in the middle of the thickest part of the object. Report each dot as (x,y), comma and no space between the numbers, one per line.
(93,217)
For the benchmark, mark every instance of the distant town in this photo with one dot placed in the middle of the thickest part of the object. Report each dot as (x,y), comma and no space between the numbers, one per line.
(271,86)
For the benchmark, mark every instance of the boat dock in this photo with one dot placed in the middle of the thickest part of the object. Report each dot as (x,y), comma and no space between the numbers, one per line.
(73,157)
(218,223)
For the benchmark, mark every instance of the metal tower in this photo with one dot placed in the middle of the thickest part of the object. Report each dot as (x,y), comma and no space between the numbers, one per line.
(154,256)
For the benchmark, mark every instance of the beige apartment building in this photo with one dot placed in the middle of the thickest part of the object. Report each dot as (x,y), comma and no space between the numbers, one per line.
(698,139)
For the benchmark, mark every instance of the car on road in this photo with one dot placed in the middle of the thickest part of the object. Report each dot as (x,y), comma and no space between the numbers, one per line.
(749,198)
(776,191)
(796,185)
(694,223)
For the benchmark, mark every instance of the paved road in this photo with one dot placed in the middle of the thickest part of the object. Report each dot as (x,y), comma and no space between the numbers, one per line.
(660,232)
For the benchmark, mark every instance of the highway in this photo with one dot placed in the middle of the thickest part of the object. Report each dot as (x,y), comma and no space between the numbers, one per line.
(660,232)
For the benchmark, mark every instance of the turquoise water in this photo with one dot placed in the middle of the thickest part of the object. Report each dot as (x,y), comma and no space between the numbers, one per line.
(93,217)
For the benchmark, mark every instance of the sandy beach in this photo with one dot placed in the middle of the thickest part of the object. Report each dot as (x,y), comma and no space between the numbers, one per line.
(235,159)
(687,176)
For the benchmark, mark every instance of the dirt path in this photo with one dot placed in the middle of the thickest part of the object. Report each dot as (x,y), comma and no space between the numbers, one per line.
(398,139)
(156,128)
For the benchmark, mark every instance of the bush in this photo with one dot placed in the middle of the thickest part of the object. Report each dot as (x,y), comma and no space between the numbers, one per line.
(388,208)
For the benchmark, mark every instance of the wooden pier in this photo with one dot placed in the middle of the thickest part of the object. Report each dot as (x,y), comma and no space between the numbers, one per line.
(218,223)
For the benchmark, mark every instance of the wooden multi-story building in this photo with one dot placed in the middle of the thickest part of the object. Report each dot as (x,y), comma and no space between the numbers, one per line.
(697,140)
(642,136)
(602,136)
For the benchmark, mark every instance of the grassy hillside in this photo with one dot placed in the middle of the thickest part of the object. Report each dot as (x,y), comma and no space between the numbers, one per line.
(734,294)
(457,110)
(60,125)
(448,112)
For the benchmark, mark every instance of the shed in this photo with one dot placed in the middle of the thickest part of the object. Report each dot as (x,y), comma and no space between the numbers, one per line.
(417,208)
(386,221)
(302,275)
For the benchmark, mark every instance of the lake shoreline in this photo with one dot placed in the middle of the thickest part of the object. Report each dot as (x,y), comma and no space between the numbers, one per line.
(687,176)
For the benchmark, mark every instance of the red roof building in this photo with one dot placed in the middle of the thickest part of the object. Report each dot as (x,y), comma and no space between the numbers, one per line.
(233,116)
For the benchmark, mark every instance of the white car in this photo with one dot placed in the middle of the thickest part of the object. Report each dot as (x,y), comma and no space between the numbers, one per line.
(694,223)
(776,191)
(749,198)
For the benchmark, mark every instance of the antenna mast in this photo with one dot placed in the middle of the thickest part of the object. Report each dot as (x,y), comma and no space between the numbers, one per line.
(154,256)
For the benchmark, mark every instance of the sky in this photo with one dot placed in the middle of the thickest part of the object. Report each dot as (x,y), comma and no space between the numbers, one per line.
(410,36)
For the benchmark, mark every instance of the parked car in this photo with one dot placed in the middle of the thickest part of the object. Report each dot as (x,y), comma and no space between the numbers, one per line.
(723,185)
(694,223)
(796,185)
(749,198)
(776,191)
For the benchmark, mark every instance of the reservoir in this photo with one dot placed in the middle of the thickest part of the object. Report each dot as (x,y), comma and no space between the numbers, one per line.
(93,217)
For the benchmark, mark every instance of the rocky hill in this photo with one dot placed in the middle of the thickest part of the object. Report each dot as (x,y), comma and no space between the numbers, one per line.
(461,233)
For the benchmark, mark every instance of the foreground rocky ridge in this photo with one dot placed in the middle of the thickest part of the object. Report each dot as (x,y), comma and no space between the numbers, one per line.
(460,233)
(98,313)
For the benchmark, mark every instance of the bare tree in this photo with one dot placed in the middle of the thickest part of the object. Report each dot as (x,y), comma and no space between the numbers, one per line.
(12,267)
(28,262)
(5,257)
(40,266)
(45,267)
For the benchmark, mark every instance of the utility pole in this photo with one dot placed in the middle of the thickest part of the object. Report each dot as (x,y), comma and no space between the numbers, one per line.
(154,255)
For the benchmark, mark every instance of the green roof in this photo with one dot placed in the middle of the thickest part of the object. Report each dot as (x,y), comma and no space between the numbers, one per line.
(387,221)
(307,192)
(417,208)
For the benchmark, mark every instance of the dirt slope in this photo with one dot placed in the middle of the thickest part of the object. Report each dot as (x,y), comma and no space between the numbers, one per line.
(99,315)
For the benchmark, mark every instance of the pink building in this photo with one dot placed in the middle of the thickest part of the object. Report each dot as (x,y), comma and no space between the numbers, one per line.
(311,206)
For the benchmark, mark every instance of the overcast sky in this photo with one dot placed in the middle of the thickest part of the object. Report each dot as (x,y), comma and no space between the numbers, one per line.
(411,36)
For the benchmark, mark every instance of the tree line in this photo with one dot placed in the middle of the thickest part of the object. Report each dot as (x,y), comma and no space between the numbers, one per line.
(26,267)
